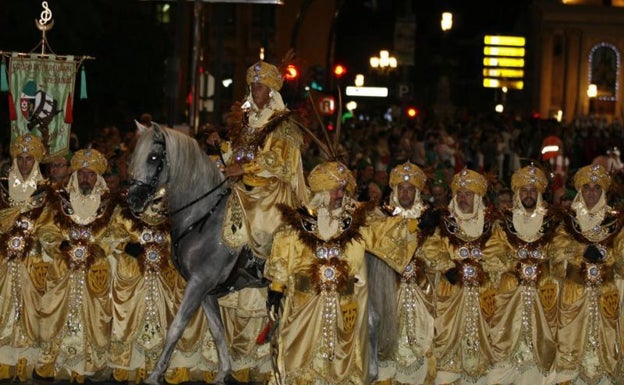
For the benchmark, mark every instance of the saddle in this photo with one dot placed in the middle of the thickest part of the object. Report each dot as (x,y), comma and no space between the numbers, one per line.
(248,272)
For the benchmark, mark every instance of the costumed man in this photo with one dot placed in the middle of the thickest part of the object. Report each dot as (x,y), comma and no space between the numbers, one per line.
(75,311)
(146,293)
(58,171)
(465,296)
(317,267)
(264,152)
(590,244)
(22,268)
(524,324)
(405,302)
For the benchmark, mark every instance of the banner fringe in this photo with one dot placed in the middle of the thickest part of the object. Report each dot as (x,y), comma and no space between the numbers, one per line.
(69,110)
(12,112)
(83,84)
(4,83)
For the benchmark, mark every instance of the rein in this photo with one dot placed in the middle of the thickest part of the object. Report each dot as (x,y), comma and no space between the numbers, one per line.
(201,220)
(204,218)
(191,203)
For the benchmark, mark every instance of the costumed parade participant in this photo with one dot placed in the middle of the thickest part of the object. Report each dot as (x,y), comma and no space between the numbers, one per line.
(76,308)
(317,267)
(590,244)
(22,267)
(524,324)
(405,346)
(264,152)
(465,296)
(147,290)
(58,171)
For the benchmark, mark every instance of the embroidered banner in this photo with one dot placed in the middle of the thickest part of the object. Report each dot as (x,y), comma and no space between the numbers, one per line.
(41,92)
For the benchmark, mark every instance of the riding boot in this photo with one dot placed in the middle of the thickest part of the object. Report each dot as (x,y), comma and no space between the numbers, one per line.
(250,270)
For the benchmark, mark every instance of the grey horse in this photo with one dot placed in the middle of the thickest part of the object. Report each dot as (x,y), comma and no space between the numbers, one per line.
(197,193)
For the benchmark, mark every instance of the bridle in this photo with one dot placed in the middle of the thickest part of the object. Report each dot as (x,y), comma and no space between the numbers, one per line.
(151,186)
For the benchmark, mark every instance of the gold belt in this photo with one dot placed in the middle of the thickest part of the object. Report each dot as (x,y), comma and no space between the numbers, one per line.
(304,284)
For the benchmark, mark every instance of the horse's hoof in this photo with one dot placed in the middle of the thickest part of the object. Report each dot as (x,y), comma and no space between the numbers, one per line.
(153,380)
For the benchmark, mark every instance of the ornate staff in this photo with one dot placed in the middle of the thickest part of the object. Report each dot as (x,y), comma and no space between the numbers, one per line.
(44,24)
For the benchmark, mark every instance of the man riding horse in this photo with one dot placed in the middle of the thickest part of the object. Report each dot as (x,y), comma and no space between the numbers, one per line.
(264,157)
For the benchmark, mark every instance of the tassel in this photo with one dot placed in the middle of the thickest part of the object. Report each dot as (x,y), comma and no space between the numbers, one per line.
(4,83)
(12,113)
(69,112)
(264,337)
(83,84)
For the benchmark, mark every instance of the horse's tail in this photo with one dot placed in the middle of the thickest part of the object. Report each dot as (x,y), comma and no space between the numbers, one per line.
(382,296)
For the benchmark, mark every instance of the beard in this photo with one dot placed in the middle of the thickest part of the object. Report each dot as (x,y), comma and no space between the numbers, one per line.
(529,203)
(85,189)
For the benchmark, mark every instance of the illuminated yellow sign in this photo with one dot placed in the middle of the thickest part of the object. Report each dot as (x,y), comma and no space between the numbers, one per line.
(503,61)
(498,83)
(502,73)
(503,51)
(514,41)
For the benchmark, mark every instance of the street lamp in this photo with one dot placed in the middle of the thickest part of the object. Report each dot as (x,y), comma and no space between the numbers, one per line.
(592,92)
(447,21)
(383,62)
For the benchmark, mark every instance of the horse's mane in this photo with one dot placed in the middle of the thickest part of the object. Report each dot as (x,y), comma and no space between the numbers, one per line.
(186,165)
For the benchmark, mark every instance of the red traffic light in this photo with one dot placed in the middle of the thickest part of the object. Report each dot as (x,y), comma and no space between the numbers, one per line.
(411,112)
(291,72)
(339,70)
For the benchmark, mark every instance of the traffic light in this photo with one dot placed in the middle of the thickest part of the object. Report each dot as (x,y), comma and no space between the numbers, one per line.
(411,112)
(339,70)
(292,72)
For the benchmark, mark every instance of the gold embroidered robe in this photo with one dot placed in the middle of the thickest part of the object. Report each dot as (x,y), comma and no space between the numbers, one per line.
(323,331)
(273,174)
(75,311)
(524,324)
(409,359)
(146,293)
(22,283)
(462,346)
(589,337)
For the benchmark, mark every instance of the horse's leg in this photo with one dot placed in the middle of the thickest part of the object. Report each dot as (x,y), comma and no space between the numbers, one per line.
(373,327)
(215,324)
(190,303)
(382,302)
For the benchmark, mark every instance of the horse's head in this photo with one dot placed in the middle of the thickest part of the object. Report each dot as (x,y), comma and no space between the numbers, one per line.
(147,169)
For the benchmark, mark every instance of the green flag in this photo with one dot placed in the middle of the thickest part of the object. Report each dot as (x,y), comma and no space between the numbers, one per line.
(42,92)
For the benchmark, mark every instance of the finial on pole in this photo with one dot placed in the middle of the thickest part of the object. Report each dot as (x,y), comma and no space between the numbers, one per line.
(44,24)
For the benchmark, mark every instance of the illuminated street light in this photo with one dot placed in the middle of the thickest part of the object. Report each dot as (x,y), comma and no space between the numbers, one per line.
(384,61)
(447,21)
(359,80)
(592,92)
